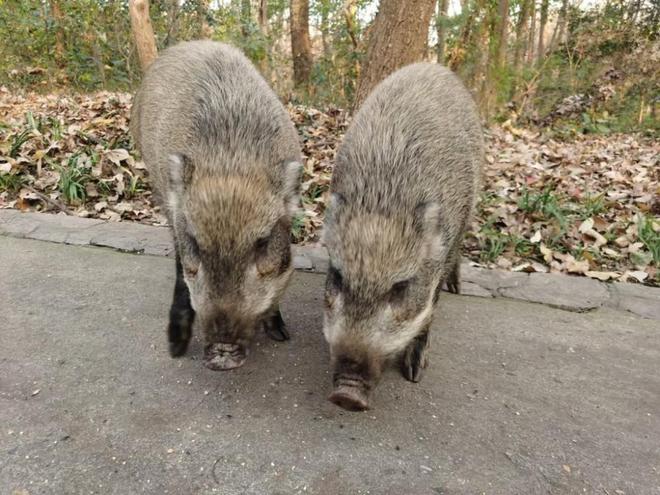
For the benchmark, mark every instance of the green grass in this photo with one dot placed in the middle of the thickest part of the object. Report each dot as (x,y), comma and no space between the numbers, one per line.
(297,226)
(649,237)
(73,178)
(135,187)
(493,243)
(546,203)
(18,140)
(592,205)
(11,182)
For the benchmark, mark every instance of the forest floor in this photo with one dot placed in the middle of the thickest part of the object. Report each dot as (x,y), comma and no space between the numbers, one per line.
(552,201)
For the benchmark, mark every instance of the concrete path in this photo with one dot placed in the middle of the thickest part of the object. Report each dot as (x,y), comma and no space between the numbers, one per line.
(519,398)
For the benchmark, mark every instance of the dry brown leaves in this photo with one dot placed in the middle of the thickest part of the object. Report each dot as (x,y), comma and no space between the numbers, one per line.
(587,206)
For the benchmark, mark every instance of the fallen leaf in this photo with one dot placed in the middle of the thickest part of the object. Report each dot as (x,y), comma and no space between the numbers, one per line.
(638,275)
(602,275)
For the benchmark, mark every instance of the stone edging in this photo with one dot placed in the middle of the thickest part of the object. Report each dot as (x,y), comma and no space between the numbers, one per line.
(560,291)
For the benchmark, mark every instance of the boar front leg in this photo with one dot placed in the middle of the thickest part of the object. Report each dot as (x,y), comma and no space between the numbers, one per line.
(182,315)
(275,327)
(414,358)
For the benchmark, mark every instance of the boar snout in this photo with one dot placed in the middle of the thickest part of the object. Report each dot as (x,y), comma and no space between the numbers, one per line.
(353,381)
(225,348)
(349,394)
(224,356)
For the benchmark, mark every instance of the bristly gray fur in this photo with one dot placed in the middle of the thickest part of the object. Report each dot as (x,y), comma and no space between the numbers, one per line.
(403,189)
(225,158)
(206,100)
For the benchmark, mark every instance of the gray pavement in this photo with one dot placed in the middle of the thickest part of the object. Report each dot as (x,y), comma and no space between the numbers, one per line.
(519,398)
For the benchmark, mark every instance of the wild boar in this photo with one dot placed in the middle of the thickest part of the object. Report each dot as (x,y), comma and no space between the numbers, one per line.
(402,192)
(225,161)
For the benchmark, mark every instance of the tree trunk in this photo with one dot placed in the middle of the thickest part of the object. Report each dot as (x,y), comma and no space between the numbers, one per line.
(349,10)
(301,47)
(498,33)
(56,9)
(399,36)
(202,13)
(143,33)
(246,17)
(540,52)
(458,53)
(561,22)
(263,17)
(521,35)
(502,33)
(173,19)
(441,29)
(324,28)
(531,42)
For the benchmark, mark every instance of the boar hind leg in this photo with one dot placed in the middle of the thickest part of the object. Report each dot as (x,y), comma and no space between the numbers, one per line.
(414,358)
(182,315)
(275,327)
(454,270)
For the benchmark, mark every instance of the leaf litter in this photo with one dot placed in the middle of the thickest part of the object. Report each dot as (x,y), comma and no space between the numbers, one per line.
(587,205)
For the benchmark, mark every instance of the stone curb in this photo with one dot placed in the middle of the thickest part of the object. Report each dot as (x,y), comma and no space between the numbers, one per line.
(559,291)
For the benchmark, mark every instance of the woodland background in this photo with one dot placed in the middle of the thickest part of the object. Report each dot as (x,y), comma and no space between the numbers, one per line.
(569,91)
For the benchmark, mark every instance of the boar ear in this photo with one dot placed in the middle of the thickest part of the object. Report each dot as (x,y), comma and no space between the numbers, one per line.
(332,212)
(291,185)
(181,170)
(334,206)
(427,221)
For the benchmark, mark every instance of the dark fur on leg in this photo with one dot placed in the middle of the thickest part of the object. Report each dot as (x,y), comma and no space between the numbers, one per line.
(454,277)
(276,328)
(182,316)
(414,358)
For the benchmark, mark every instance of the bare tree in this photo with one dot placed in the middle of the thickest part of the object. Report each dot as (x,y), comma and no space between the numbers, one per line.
(501,33)
(246,17)
(398,38)
(56,9)
(202,15)
(262,17)
(521,35)
(470,11)
(531,42)
(301,47)
(542,23)
(440,28)
(173,18)
(143,33)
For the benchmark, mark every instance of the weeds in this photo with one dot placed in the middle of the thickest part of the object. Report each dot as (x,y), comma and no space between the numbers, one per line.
(73,178)
(298,227)
(11,182)
(646,230)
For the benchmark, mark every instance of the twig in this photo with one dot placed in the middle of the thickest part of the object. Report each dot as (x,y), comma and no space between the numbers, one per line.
(215,477)
(50,201)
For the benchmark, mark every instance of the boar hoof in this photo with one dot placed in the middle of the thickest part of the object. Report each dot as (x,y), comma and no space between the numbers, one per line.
(414,359)
(222,357)
(349,398)
(178,349)
(454,279)
(276,328)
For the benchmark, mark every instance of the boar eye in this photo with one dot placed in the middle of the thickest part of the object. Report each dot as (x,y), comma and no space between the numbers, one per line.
(398,292)
(261,246)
